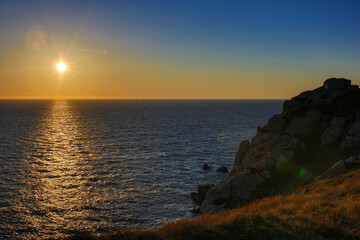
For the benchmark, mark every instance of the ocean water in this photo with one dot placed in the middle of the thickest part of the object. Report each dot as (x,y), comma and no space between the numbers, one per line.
(102,165)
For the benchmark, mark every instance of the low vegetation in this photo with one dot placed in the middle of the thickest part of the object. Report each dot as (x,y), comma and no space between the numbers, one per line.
(327,209)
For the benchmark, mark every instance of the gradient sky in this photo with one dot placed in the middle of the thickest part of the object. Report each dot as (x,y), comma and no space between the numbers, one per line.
(176,49)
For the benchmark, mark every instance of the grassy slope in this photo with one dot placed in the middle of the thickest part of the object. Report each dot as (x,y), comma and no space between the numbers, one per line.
(330,209)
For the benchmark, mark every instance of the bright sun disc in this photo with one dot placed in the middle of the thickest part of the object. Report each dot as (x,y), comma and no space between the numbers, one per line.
(61,66)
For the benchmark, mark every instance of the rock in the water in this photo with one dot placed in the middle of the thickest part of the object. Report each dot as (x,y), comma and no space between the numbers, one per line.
(222,169)
(206,167)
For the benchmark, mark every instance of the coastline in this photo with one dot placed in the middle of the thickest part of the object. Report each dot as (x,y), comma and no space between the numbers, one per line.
(286,203)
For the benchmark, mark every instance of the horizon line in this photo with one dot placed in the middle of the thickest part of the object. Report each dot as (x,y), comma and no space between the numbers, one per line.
(140,99)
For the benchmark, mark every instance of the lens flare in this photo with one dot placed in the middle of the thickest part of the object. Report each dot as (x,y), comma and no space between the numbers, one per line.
(302,172)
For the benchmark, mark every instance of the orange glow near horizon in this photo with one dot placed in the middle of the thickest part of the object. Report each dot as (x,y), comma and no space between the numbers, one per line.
(129,73)
(164,51)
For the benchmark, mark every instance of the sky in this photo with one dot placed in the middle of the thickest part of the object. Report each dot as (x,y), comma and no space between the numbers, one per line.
(199,49)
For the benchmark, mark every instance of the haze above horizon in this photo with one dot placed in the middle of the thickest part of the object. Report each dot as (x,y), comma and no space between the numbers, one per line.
(175,49)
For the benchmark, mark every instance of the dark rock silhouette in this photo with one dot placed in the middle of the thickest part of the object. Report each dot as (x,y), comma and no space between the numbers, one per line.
(314,131)
(206,167)
(193,196)
(199,196)
(222,169)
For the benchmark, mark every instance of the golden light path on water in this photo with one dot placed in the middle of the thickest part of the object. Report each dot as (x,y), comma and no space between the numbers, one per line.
(64,191)
(102,165)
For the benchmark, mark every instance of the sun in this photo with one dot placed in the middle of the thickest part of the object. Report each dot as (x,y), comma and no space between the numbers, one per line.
(61,66)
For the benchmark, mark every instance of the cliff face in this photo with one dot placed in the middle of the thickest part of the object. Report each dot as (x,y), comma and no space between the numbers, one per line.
(314,131)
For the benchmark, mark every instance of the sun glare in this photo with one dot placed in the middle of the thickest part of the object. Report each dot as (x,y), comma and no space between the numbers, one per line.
(61,66)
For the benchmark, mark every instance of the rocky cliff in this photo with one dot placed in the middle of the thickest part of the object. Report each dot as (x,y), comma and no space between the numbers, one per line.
(315,130)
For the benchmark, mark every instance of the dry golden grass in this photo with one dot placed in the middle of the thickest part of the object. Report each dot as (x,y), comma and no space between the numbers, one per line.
(329,209)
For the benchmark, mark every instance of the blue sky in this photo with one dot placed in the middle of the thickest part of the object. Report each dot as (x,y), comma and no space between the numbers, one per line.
(319,37)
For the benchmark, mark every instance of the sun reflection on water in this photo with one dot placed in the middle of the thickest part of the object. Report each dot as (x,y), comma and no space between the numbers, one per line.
(95,165)
(63,192)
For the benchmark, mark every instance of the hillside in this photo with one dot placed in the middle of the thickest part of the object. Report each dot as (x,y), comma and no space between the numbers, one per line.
(326,209)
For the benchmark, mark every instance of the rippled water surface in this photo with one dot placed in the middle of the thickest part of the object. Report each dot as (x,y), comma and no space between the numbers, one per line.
(102,165)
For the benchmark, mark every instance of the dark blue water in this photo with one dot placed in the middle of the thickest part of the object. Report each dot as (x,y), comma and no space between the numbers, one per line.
(102,165)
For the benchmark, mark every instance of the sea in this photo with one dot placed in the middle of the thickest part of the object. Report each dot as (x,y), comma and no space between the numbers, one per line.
(104,165)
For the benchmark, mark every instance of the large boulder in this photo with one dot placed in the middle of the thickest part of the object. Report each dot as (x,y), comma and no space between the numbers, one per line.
(330,135)
(267,159)
(233,188)
(264,154)
(304,126)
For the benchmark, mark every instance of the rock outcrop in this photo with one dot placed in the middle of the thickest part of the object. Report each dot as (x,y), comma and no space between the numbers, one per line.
(199,196)
(314,130)
(341,167)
